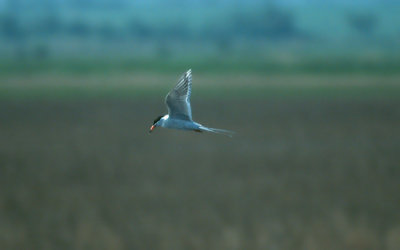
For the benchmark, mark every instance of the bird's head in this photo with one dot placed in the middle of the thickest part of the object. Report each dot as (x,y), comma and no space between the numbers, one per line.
(155,123)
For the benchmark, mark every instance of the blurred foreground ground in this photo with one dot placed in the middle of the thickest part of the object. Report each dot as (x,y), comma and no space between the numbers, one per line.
(313,166)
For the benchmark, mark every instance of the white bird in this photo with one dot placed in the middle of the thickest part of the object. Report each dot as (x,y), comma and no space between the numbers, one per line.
(179,111)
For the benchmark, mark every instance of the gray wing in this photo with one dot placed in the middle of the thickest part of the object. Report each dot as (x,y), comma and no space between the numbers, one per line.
(178,99)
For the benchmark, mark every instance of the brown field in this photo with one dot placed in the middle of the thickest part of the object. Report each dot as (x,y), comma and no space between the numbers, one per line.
(301,173)
(298,175)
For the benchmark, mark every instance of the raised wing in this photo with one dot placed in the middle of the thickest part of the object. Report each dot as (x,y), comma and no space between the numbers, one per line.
(178,99)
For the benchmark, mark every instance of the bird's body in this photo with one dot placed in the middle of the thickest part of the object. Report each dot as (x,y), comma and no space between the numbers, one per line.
(179,109)
(166,122)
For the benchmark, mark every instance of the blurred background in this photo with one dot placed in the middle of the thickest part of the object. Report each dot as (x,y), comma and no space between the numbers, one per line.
(311,88)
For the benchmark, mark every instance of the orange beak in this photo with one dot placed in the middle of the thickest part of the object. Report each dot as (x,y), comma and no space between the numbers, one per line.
(151,128)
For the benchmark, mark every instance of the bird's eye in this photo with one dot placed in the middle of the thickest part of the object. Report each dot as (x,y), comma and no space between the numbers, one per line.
(157,119)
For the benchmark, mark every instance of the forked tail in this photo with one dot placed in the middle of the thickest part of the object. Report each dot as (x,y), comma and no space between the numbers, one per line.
(218,131)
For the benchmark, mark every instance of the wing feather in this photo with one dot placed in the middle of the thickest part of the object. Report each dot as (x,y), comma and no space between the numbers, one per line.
(178,99)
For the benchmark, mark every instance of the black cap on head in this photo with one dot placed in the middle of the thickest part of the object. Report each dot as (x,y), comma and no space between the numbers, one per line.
(157,119)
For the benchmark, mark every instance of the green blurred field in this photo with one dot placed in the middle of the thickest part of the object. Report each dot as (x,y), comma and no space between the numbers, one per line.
(314,164)
(242,82)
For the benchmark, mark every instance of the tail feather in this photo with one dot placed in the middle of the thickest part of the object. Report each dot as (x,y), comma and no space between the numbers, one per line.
(218,131)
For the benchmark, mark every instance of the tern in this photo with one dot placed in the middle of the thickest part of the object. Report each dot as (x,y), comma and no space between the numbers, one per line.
(179,111)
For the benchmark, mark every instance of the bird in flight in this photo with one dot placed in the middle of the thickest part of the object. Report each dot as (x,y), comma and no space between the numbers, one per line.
(179,111)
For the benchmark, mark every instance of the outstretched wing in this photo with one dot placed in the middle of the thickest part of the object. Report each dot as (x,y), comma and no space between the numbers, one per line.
(178,99)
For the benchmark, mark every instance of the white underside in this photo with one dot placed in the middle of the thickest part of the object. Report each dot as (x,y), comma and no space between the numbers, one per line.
(168,122)
(172,123)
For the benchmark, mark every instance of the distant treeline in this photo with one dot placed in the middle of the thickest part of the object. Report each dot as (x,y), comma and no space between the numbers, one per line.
(26,24)
(269,23)
(261,21)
